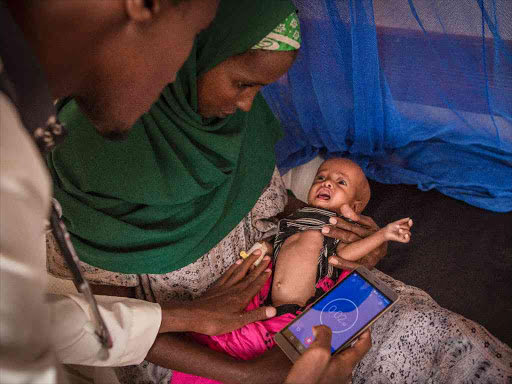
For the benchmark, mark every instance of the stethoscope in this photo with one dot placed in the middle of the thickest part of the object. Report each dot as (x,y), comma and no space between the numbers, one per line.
(45,137)
(61,235)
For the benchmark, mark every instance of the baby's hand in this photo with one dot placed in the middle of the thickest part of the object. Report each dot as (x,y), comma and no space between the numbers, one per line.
(399,230)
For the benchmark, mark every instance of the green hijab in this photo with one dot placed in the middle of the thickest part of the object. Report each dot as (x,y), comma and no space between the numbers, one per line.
(177,185)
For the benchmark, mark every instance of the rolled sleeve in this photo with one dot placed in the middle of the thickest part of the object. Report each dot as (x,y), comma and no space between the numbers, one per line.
(133,326)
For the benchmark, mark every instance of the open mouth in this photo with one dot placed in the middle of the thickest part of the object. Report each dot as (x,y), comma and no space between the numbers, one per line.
(323,194)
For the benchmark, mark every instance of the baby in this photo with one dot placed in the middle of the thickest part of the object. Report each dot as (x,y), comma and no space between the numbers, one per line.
(301,270)
(301,251)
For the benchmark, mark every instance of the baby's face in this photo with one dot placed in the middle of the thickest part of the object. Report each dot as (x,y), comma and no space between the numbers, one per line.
(335,184)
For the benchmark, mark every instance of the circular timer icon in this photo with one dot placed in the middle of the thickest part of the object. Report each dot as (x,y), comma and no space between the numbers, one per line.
(337,319)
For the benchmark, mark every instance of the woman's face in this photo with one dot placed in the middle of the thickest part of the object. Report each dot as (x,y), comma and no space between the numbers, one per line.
(234,83)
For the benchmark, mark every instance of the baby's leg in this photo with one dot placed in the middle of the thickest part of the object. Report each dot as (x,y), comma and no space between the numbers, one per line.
(296,268)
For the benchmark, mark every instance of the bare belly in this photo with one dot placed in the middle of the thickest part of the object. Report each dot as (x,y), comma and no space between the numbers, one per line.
(296,267)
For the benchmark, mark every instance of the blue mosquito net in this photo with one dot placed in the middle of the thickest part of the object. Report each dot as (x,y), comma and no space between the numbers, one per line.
(415,91)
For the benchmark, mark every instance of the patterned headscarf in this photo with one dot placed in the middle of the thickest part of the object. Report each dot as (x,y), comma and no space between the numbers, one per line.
(284,37)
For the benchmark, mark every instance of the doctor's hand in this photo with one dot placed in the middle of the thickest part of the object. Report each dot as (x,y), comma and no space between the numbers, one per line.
(221,308)
(316,366)
(348,233)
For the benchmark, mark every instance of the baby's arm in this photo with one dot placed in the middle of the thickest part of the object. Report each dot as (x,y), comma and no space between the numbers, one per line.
(399,230)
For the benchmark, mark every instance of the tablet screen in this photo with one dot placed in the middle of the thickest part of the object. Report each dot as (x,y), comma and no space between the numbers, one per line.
(347,308)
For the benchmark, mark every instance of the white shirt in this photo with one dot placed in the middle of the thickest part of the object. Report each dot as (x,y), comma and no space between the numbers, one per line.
(37,330)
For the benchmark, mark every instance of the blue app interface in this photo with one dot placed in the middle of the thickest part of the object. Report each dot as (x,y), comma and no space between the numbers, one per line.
(346,309)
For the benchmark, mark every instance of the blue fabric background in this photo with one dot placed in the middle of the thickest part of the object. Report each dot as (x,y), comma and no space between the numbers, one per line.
(417,92)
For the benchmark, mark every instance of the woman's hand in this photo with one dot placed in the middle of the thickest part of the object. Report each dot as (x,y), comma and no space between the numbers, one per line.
(348,233)
(222,308)
(317,366)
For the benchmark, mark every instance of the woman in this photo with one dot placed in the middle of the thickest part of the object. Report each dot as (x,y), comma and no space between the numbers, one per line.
(169,209)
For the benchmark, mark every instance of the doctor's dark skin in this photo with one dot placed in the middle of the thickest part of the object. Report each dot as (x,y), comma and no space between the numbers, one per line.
(114,56)
(317,366)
